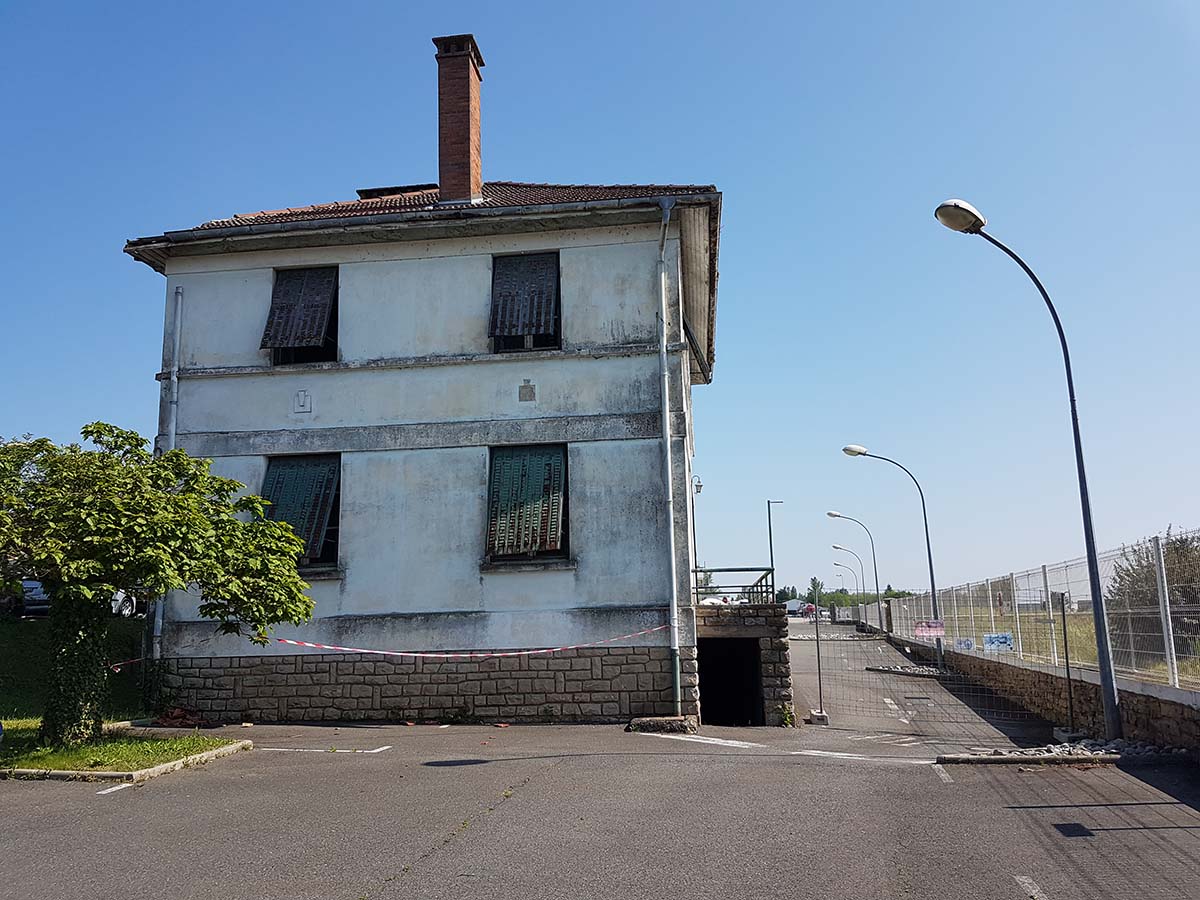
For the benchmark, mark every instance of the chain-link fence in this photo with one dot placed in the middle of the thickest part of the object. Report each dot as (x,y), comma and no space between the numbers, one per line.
(1151,589)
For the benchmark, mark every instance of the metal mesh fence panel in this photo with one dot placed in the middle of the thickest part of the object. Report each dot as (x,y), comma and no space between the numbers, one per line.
(1151,591)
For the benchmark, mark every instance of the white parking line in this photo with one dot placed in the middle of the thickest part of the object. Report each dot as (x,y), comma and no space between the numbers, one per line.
(112,790)
(701,739)
(942,773)
(832,754)
(443,726)
(317,750)
(1029,886)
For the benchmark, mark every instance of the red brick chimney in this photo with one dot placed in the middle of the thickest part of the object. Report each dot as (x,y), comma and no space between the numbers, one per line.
(460,171)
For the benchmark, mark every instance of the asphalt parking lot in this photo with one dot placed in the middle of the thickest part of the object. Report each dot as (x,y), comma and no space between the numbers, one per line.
(592,811)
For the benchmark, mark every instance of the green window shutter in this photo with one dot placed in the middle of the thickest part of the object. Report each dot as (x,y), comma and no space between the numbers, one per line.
(301,303)
(526,499)
(301,490)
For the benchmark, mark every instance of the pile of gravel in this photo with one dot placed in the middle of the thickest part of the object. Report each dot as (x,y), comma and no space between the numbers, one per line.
(1128,751)
(920,671)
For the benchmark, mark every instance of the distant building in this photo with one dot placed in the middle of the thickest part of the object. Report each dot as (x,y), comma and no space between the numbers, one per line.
(453,393)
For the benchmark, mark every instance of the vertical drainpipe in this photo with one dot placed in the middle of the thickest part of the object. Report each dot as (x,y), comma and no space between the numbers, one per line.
(172,425)
(668,469)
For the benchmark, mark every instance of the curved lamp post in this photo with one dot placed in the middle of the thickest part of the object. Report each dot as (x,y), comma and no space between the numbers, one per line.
(853,574)
(874,564)
(958,215)
(863,581)
(857,450)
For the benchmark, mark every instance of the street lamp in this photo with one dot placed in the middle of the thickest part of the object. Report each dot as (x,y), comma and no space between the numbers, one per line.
(874,564)
(771,546)
(697,486)
(958,215)
(858,450)
(852,573)
(860,565)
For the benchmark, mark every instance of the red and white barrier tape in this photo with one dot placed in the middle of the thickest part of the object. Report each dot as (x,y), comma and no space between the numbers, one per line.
(469,655)
(116,667)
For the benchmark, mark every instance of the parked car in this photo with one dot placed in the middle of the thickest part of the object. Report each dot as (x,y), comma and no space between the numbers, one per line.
(36,602)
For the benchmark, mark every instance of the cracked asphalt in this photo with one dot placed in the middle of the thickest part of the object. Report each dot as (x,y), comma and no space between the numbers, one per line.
(852,811)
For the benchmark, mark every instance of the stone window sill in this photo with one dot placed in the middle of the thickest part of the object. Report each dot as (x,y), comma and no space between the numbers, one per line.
(529,565)
(322,573)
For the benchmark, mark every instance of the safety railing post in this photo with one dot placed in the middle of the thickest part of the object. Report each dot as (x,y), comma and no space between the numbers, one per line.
(1164,610)
(1050,615)
(991,601)
(1012,590)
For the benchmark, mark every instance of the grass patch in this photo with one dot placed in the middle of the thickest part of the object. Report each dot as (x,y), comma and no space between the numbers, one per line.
(117,752)
(25,656)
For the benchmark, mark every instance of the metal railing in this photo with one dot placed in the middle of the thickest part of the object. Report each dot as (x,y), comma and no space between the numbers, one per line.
(754,585)
(1151,589)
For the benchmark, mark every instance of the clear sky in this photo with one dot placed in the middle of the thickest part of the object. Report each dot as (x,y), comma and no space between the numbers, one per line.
(846,314)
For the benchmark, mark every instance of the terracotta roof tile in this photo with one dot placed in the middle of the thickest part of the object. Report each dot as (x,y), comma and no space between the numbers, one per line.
(381,201)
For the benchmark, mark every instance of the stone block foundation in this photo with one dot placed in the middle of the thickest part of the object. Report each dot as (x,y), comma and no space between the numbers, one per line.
(593,684)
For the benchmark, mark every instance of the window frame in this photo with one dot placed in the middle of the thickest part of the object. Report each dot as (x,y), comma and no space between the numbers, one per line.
(525,343)
(559,558)
(329,557)
(328,351)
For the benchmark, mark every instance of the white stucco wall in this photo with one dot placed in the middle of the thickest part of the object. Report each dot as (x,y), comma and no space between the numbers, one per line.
(412,540)
(412,522)
(434,298)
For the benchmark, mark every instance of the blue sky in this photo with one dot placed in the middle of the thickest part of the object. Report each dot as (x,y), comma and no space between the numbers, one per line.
(846,313)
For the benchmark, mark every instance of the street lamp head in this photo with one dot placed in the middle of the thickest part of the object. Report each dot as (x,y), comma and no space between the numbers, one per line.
(959,215)
(839,547)
(833,515)
(699,485)
(854,450)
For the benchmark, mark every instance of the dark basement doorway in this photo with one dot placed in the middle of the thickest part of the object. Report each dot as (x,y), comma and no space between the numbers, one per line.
(730,681)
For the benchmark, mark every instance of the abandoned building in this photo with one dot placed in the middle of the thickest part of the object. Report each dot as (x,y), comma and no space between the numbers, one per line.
(454,393)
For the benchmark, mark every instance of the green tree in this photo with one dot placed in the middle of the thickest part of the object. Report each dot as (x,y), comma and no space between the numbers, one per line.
(816,588)
(89,522)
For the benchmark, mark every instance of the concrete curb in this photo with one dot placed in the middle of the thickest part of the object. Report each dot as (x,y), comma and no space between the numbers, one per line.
(134,777)
(663,725)
(1009,759)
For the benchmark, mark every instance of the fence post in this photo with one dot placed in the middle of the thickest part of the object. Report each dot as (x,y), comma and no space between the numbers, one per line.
(1012,590)
(1049,615)
(971,609)
(991,605)
(1164,610)
(954,609)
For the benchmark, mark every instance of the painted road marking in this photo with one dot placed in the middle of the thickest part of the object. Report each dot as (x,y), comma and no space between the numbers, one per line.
(113,790)
(1029,886)
(318,750)
(443,726)
(701,739)
(832,754)
(942,773)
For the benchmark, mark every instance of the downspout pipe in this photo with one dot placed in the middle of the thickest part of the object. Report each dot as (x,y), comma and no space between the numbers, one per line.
(668,469)
(172,427)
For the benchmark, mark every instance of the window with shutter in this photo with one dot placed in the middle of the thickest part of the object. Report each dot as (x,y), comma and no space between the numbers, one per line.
(525,303)
(302,323)
(305,492)
(527,502)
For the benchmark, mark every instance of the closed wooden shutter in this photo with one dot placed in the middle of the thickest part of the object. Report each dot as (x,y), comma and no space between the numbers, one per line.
(524,295)
(301,490)
(526,501)
(301,303)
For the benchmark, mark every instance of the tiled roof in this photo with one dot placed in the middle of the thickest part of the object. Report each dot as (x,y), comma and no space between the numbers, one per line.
(381,201)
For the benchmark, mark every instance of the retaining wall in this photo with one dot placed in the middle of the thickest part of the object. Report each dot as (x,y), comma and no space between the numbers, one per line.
(1155,713)
(593,684)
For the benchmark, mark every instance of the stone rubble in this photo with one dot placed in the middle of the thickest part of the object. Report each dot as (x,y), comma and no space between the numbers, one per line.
(1129,751)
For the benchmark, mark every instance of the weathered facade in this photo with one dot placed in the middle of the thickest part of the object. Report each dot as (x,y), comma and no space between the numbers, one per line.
(456,398)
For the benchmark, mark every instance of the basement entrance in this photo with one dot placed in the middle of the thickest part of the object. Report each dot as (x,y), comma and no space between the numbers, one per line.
(730,681)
